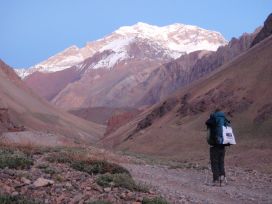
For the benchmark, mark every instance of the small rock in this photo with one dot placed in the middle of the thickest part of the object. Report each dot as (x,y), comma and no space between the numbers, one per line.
(40,182)
(7,189)
(68,184)
(60,198)
(98,188)
(83,177)
(123,195)
(25,180)
(88,188)
(8,171)
(130,194)
(115,189)
(58,190)
(140,199)
(107,190)
(15,193)
(77,198)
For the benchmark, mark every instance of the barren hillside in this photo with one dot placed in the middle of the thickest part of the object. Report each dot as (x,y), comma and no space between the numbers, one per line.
(24,108)
(175,128)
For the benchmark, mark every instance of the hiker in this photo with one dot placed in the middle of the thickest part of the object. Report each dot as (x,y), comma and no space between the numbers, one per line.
(217,150)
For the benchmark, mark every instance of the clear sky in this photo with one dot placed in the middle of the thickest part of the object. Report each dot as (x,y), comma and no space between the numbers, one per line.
(33,30)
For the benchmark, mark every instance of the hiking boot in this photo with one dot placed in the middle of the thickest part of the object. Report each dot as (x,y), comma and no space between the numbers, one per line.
(223,180)
(216,183)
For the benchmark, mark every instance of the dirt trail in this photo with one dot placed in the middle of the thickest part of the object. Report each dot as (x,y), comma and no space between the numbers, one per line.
(193,186)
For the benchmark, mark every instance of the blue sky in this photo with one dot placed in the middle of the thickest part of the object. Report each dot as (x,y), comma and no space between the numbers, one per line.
(33,30)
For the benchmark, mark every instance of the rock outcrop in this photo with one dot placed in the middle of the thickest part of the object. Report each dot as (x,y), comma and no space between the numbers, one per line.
(265,31)
(188,68)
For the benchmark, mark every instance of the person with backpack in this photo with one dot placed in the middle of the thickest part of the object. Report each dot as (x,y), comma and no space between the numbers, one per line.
(215,125)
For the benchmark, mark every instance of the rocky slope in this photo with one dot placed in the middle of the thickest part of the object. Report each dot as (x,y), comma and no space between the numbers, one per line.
(146,84)
(43,175)
(265,31)
(168,78)
(48,85)
(102,115)
(24,108)
(176,127)
(114,65)
(188,68)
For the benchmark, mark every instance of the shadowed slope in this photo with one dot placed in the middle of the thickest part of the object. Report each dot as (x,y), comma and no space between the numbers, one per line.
(29,110)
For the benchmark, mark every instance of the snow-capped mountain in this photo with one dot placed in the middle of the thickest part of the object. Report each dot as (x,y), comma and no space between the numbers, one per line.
(63,60)
(170,41)
(176,39)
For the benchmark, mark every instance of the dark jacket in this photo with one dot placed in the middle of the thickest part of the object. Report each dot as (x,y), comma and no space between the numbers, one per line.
(215,123)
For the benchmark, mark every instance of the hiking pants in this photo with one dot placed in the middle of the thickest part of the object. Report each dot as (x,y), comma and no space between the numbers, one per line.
(217,156)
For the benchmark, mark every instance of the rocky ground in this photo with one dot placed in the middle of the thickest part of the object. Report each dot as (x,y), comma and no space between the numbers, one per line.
(48,181)
(49,178)
(193,185)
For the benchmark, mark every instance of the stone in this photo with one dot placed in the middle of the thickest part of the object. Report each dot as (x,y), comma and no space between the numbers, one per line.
(77,198)
(107,190)
(123,195)
(88,188)
(130,194)
(25,180)
(140,199)
(60,198)
(68,184)
(7,189)
(41,182)
(15,193)
(115,189)
(97,188)
(58,190)
(9,172)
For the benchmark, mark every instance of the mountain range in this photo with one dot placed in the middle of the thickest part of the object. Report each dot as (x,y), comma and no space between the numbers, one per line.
(154,97)
(109,71)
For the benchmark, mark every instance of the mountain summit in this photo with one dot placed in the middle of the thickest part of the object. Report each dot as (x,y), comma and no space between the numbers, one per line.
(109,71)
(169,42)
(177,38)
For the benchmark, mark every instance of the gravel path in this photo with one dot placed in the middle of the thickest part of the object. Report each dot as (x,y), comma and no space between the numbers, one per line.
(192,186)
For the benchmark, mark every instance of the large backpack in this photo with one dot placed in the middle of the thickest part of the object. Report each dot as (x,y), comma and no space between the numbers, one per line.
(211,133)
(219,131)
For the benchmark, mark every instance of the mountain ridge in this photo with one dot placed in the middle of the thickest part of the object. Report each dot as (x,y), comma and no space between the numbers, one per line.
(168,39)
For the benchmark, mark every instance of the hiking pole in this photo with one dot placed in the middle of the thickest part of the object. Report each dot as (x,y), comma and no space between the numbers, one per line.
(207,173)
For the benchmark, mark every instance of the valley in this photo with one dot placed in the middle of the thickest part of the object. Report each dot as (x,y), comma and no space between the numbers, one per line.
(122,119)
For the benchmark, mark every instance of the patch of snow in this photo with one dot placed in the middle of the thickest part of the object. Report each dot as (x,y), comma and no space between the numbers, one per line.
(118,45)
(111,60)
(22,73)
